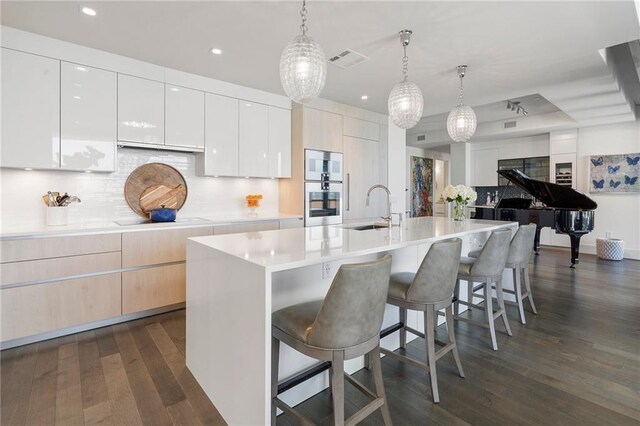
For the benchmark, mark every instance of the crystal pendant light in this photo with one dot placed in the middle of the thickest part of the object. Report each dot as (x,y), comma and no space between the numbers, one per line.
(405,100)
(462,121)
(303,67)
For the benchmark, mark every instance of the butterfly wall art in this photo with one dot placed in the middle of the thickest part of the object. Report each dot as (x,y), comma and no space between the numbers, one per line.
(615,173)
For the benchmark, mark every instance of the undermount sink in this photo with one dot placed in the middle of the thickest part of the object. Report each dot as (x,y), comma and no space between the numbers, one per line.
(366,227)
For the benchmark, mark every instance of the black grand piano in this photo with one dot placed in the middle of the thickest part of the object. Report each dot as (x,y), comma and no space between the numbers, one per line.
(566,210)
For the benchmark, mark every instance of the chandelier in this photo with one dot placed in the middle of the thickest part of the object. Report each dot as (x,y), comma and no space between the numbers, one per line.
(405,100)
(462,121)
(303,67)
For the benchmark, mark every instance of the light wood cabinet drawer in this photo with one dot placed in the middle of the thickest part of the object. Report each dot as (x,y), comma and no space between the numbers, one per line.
(48,269)
(153,287)
(155,247)
(291,223)
(46,307)
(49,247)
(267,225)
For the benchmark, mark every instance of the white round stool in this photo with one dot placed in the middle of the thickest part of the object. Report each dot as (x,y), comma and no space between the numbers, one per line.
(610,249)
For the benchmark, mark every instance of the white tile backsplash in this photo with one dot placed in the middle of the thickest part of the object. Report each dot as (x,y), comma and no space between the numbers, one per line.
(102,194)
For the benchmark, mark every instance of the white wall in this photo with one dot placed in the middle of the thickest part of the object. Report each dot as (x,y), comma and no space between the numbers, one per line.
(102,194)
(616,213)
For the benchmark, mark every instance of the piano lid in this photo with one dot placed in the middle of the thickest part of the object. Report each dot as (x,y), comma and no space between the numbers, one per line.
(551,194)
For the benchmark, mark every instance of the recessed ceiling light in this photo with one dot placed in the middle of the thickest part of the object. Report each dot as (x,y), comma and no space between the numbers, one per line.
(216,51)
(28,168)
(77,97)
(364,97)
(79,68)
(87,171)
(89,11)
(174,89)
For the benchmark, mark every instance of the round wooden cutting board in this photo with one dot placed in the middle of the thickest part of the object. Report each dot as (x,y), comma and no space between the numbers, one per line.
(150,178)
(157,196)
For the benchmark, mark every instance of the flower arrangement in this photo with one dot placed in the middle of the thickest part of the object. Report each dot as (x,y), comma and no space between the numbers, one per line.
(460,195)
(253,200)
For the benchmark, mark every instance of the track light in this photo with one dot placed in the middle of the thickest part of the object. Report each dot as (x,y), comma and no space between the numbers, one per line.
(515,106)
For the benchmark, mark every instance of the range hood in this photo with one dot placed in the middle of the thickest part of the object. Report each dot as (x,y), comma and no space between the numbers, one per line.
(159,146)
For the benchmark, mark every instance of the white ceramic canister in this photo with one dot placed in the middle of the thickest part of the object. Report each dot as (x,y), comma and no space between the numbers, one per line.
(56,216)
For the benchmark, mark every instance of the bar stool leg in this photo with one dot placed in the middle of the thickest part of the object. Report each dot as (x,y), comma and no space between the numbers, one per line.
(275,361)
(526,284)
(518,290)
(337,366)
(403,330)
(470,294)
(488,299)
(457,294)
(331,380)
(431,351)
(452,338)
(377,377)
(503,310)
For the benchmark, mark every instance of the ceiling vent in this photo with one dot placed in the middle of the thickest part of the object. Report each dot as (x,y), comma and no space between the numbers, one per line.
(422,138)
(510,124)
(347,58)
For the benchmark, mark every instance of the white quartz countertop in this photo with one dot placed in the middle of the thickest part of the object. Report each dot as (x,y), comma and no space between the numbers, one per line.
(130,225)
(293,248)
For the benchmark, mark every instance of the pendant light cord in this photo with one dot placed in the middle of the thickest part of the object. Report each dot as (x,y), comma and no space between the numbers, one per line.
(461,91)
(405,63)
(303,15)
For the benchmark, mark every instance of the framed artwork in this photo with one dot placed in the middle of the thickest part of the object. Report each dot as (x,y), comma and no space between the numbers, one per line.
(421,186)
(614,173)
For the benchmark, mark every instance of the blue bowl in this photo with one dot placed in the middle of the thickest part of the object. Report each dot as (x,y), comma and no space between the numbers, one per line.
(162,215)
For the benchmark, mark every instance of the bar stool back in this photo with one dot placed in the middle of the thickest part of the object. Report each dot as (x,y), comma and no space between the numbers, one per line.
(486,269)
(429,290)
(520,251)
(345,325)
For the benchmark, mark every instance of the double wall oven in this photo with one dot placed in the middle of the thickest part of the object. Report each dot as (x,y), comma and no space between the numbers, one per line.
(323,188)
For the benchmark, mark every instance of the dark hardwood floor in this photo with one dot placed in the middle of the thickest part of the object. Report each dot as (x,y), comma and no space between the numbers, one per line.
(577,362)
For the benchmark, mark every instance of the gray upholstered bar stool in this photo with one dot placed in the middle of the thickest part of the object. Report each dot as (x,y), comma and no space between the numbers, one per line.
(520,251)
(345,325)
(486,269)
(429,290)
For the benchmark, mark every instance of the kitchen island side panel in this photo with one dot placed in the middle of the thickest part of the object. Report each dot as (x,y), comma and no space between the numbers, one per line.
(228,333)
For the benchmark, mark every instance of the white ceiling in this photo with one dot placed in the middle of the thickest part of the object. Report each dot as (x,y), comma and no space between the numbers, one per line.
(496,111)
(512,48)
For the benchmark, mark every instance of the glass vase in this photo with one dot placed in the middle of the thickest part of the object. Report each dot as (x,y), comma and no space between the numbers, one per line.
(459,213)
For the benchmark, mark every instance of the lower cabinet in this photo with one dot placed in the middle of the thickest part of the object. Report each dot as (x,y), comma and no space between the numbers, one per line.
(41,308)
(265,225)
(151,288)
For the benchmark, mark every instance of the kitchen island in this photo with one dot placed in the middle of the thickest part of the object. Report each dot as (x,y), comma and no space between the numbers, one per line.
(235,282)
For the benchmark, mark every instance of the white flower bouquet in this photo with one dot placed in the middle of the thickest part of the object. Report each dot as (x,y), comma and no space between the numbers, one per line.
(460,195)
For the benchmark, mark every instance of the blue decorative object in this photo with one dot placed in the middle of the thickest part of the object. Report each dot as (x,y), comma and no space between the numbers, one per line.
(620,173)
(162,215)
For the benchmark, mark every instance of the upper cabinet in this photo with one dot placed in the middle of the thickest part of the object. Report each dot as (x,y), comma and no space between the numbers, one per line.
(254,139)
(88,118)
(362,129)
(140,110)
(30,110)
(184,117)
(279,142)
(220,156)
(322,130)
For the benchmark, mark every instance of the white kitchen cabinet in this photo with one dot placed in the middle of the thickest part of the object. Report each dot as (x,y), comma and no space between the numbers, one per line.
(140,110)
(361,128)
(253,138)
(279,142)
(30,110)
(184,117)
(485,164)
(322,130)
(88,118)
(361,164)
(220,156)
